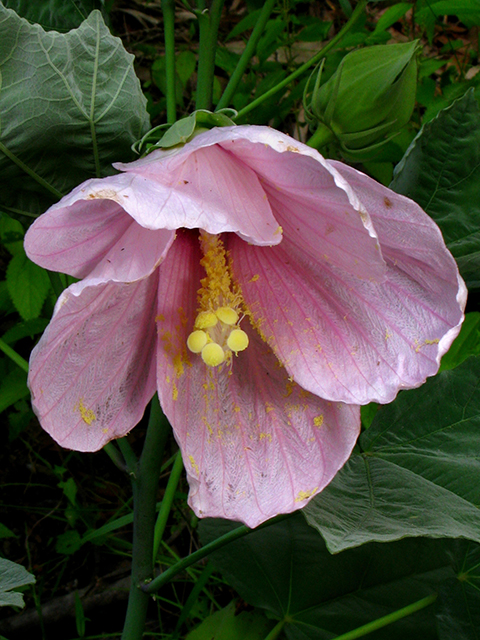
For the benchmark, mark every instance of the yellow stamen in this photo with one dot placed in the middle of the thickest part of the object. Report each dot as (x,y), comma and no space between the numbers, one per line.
(205,319)
(216,332)
(237,340)
(213,354)
(227,315)
(196,341)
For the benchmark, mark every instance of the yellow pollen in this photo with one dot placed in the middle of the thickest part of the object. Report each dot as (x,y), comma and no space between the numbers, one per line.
(196,341)
(216,333)
(205,320)
(213,354)
(237,340)
(227,315)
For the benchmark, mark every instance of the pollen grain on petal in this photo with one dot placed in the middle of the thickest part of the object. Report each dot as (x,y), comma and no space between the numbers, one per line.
(88,415)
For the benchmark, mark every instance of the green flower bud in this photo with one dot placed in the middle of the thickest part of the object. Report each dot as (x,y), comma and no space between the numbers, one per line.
(368,99)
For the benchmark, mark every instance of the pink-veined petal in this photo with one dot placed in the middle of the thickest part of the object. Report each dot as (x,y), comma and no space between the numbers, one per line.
(347,339)
(209,189)
(254,444)
(93,371)
(85,235)
(411,239)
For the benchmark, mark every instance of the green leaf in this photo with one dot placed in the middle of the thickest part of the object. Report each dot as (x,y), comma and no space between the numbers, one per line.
(70,105)
(227,624)
(13,388)
(459,599)
(391,15)
(69,489)
(11,234)
(13,576)
(286,570)
(464,8)
(466,344)
(68,542)
(418,473)
(5,532)
(30,328)
(61,15)
(185,65)
(28,286)
(440,172)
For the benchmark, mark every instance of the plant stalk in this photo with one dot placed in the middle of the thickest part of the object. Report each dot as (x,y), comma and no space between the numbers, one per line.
(208,22)
(388,619)
(184,563)
(167,501)
(318,56)
(246,56)
(145,485)
(168,10)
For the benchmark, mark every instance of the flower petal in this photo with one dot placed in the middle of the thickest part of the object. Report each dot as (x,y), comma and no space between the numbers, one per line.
(93,371)
(254,444)
(352,340)
(205,189)
(86,235)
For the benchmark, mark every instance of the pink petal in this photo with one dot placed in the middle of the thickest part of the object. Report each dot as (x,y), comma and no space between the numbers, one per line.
(352,340)
(85,235)
(93,371)
(253,443)
(200,189)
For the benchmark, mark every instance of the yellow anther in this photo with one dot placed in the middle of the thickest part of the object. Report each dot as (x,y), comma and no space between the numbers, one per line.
(205,320)
(213,354)
(237,340)
(196,341)
(227,315)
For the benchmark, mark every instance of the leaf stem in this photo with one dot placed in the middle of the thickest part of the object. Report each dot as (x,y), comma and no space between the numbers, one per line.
(168,10)
(208,23)
(194,557)
(145,487)
(167,503)
(247,54)
(276,631)
(30,172)
(388,619)
(318,56)
(13,355)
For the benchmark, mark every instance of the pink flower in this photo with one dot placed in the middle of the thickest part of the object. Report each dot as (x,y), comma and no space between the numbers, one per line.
(263,291)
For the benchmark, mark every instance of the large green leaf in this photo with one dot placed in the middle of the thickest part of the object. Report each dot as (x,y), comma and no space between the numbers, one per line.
(416,472)
(229,624)
(459,600)
(61,15)
(286,570)
(13,576)
(440,171)
(70,105)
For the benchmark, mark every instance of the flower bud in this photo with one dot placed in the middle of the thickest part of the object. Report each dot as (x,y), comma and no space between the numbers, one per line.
(368,99)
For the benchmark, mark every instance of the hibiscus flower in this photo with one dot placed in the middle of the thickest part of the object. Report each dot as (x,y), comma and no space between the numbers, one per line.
(262,290)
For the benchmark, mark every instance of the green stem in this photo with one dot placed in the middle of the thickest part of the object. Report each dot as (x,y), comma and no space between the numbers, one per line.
(29,171)
(192,598)
(168,9)
(276,631)
(167,503)
(318,56)
(115,456)
(57,282)
(322,136)
(208,23)
(13,355)
(388,619)
(246,55)
(129,454)
(194,557)
(145,486)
